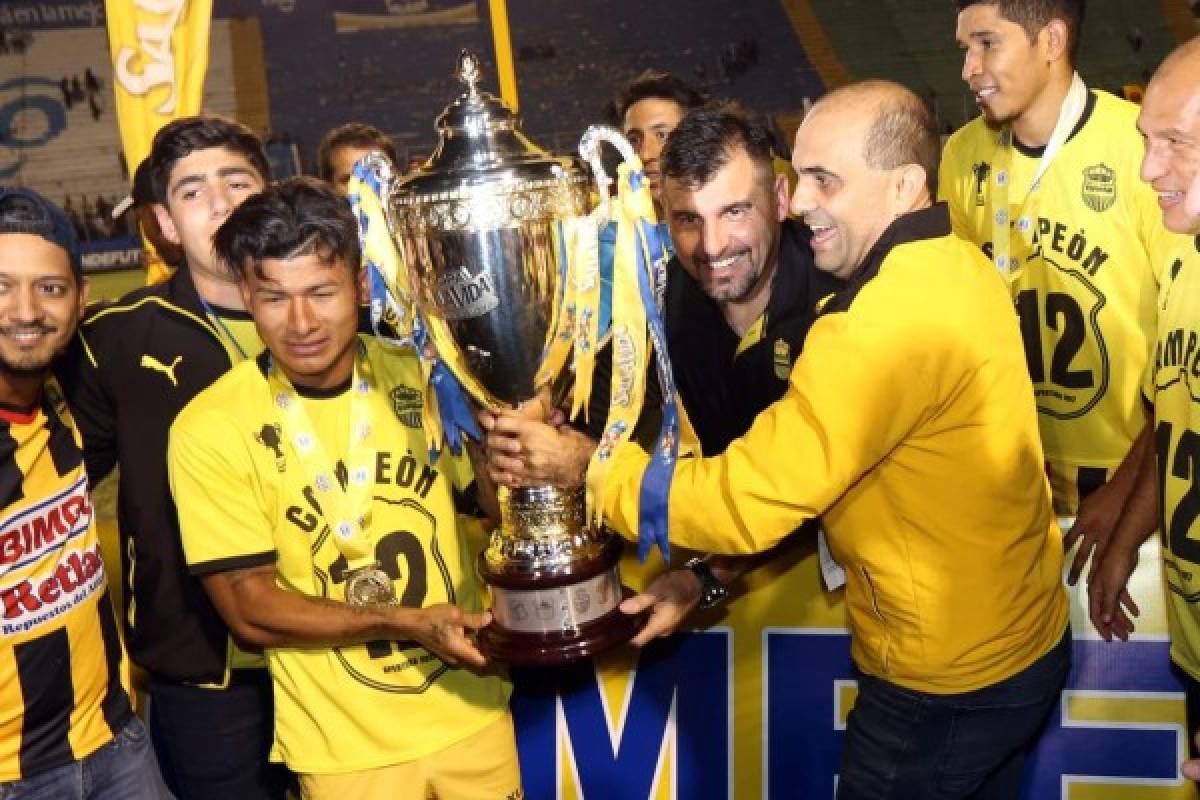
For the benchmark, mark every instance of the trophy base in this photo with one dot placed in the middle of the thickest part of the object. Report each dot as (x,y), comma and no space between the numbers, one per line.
(555,648)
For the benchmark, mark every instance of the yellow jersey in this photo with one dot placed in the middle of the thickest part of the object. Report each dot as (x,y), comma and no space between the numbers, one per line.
(1175,389)
(1087,284)
(245,499)
(913,436)
(61,696)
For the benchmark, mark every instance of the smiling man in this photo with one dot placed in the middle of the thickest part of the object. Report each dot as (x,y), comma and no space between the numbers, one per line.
(913,435)
(67,729)
(742,292)
(1046,181)
(334,543)
(136,363)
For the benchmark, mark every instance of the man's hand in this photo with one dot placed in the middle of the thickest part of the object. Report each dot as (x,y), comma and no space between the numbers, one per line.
(529,452)
(1109,604)
(670,598)
(1094,524)
(1190,769)
(445,630)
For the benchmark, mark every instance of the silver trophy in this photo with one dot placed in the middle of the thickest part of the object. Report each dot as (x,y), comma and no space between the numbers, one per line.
(476,229)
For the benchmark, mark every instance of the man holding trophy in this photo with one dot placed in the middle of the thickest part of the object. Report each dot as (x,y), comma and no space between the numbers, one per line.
(324,534)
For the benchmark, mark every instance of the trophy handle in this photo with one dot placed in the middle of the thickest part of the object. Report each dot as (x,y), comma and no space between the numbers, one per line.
(589,149)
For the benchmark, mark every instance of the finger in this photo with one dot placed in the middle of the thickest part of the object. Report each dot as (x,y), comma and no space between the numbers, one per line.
(501,443)
(638,603)
(659,624)
(474,620)
(1127,601)
(1096,613)
(487,420)
(557,418)
(1191,769)
(1081,558)
(462,650)
(1072,534)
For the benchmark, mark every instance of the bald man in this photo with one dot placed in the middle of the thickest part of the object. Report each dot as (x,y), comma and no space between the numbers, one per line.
(1165,493)
(909,427)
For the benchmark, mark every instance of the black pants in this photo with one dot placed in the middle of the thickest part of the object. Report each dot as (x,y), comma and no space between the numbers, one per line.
(212,744)
(902,744)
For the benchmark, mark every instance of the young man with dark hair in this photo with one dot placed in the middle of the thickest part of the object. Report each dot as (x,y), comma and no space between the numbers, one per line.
(68,730)
(742,292)
(343,146)
(1046,182)
(137,363)
(957,614)
(648,109)
(324,535)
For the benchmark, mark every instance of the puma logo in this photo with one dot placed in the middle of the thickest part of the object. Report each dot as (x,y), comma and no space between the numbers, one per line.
(150,362)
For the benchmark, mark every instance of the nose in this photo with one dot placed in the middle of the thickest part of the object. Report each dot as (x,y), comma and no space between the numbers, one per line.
(300,316)
(802,198)
(650,148)
(1153,163)
(713,240)
(971,65)
(221,202)
(25,306)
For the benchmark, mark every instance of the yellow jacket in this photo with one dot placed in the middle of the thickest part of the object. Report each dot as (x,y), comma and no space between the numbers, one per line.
(909,426)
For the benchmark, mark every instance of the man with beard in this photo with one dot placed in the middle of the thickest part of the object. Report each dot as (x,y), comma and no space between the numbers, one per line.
(67,729)
(741,294)
(1046,183)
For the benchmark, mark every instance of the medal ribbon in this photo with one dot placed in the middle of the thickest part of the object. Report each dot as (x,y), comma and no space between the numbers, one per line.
(345,508)
(1002,244)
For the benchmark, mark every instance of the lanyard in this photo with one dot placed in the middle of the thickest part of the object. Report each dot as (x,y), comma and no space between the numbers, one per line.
(1068,118)
(224,329)
(345,508)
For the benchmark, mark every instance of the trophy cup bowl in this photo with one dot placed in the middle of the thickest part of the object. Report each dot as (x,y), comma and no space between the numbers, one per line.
(476,227)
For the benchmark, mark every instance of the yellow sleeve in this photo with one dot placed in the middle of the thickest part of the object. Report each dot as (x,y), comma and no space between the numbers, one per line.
(950,189)
(848,404)
(221,521)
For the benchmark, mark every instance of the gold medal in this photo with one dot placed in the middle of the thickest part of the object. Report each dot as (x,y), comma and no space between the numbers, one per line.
(368,586)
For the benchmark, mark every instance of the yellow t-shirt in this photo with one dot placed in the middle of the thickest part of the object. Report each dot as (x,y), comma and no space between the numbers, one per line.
(1087,288)
(1175,389)
(913,436)
(244,498)
(61,692)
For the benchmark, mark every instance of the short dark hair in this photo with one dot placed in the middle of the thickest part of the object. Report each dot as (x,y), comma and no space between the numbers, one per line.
(659,84)
(1033,15)
(25,211)
(296,217)
(353,134)
(708,137)
(179,138)
(905,131)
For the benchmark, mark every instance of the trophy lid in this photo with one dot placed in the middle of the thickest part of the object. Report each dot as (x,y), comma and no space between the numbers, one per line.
(480,142)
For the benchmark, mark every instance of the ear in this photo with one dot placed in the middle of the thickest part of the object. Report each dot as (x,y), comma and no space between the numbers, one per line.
(166,224)
(364,286)
(85,291)
(783,196)
(909,189)
(1056,41)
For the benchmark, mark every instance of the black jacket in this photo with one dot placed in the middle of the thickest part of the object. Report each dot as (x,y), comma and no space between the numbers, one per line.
(132,368)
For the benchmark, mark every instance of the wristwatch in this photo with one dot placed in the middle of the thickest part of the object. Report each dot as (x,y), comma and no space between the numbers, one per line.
(712,591)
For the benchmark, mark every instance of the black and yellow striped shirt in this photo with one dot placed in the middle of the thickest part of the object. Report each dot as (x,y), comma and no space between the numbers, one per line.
(61,696)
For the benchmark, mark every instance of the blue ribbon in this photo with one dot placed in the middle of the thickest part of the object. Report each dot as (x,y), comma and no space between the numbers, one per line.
(656,480)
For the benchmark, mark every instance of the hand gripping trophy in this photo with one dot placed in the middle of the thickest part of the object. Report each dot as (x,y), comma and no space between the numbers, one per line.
(486,260)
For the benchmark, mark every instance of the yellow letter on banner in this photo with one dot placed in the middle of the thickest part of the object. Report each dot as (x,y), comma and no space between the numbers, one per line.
(159,52)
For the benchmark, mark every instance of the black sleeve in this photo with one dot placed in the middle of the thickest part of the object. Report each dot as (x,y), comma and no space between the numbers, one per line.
(91,405)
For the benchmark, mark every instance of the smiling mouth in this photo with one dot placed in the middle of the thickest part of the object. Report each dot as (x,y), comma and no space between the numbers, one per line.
(28,338)
(822,234)
(724,265)
(983,95)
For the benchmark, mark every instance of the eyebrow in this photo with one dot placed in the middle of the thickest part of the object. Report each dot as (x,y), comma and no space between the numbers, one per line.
(223,172)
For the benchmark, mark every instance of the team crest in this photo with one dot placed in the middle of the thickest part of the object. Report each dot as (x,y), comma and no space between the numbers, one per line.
(270,436)
(981,171)
(406,403)
(1099,187)
(783,359)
